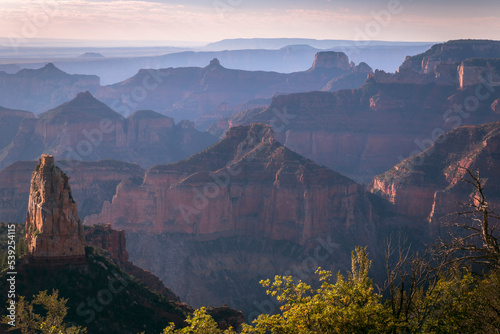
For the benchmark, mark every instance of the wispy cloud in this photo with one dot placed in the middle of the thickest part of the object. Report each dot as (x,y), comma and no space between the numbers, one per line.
(201,19)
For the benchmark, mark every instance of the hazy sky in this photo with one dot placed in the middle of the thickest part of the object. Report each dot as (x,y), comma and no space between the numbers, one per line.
(211,20)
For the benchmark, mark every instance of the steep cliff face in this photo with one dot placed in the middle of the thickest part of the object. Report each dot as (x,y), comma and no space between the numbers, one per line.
(42,89)
(92,183)
(53,229)
(477,71)
(247,184)
(85,129)
(113,241)
(452,52)
(329,60)
(365,132)
(428,186)
(448,64)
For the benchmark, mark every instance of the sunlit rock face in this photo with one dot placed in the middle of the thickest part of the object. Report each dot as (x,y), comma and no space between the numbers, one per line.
(53,229)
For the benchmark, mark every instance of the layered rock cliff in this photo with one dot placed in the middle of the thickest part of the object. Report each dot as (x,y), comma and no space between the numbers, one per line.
(428,186)
(245,184)
(451,63)
(364,132)
(244,209)
(85,129)
(53,229)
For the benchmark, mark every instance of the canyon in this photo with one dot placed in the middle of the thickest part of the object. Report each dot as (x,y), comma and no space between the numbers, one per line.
(274,189)
(240,211)
(366,131)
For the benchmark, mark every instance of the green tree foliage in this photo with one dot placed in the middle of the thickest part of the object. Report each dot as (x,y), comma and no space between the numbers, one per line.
(458,302)
(45,314)
(198,323)
(347,306)
(20,239)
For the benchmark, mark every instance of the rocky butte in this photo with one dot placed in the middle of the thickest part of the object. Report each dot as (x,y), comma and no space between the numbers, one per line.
(54,233)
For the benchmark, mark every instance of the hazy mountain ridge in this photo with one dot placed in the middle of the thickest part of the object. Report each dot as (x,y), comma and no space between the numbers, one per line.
(364,132)
(85,129)
(189,93)
(42,89)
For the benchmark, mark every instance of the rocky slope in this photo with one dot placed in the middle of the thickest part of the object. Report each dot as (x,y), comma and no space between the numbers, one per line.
(85,129)
(9,124)
(428,186)
(364,132)
(244,209)
(42,89)
(351,80)
(100,296)
(92,184)
(192,92)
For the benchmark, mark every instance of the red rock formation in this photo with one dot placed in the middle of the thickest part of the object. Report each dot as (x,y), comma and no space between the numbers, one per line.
(365,132)
(477,71)
(53,229)
(447,64)
(246,184)
(495,106)
(103,236)
(92,183)
(329,60)
(428,186)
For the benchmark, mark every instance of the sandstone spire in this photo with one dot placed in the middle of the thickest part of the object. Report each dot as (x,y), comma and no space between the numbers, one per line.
(53,229)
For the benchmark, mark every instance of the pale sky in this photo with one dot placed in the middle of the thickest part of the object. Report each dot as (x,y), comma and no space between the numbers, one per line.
(213,20)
